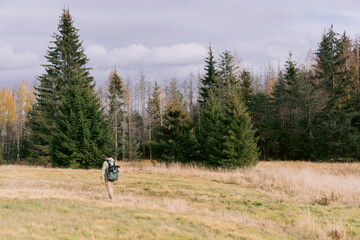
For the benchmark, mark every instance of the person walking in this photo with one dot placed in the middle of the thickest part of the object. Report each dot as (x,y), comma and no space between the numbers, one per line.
(104,174)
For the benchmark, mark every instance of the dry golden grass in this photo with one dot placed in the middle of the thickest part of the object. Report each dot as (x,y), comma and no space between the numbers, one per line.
(302,181)
(274,200)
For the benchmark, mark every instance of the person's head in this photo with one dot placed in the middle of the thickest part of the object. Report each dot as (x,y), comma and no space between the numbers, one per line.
(108,155)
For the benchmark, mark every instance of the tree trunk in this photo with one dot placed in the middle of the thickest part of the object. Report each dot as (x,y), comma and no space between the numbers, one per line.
(150,133)
(116,135)
(123,136)
(19,137)
(191,99)
(129,130)
(142,98)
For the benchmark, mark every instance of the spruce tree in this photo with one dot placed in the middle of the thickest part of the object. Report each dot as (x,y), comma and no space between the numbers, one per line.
(228,71)
(131,149)
(291,72)
(210,134)
(335,136)
(209,79)
(138,123)
(82,134)
(240,148)
(63,58)
(262,114)
(286,100)
(155,107)
(175,140)
(246,88)
(351,51)
(155,113)
(304,100)
(311,100)
(281,130)
(115,112)
(226,133)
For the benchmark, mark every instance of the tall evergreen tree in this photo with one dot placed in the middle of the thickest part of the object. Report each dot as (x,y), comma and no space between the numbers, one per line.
(209,79)
(228,74)
(281,131)
(225,128)
(226,133)
(240,148)
(82,134)
(155,108)
(262,113)
(355,87)
(301,101)
(65,57)
(155,112)
(246,88)
(289,105)
(336,137)
(310,101)
(175,140)
(291,70)
(116,103)
(210,133)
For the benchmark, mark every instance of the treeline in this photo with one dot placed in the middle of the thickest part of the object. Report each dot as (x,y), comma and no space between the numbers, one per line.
(177,124)
(73,125)
(312,111)
(225,118)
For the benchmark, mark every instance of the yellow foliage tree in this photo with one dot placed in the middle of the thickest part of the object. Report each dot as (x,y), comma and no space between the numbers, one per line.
(25,98)
(7,115)
(270,82)
(7,107)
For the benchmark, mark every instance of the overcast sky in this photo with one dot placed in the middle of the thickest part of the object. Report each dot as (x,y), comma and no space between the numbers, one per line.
(168,38)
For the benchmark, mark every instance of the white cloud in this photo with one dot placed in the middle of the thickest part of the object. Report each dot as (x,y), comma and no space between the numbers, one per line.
(179,54)
(167,38)
(138,54)
(159,63)
(133,54)
(11,59)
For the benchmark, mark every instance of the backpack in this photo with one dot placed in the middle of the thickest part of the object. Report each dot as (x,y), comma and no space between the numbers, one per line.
(113,171)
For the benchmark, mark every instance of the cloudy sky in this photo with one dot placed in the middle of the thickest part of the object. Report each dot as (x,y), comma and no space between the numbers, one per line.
(168,38)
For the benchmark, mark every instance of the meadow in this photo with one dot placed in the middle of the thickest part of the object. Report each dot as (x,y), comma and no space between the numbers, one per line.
(274,200)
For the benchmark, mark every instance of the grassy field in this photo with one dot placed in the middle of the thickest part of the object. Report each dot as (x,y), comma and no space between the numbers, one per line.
(274,200)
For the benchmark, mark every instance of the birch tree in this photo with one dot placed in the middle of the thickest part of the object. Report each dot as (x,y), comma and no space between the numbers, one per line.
(25,99)
(7,118)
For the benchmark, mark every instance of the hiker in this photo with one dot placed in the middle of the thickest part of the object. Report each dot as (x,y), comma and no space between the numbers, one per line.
(108,163)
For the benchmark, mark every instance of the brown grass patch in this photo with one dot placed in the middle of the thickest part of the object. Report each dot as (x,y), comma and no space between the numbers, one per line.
(304,181)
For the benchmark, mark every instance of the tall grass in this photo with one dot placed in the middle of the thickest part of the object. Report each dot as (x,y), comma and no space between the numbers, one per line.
(301,181)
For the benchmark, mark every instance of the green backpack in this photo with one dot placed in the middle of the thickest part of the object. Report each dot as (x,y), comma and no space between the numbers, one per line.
(113,171)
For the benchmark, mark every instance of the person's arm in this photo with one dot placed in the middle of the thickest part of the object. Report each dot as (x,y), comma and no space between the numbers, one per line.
(103,170)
